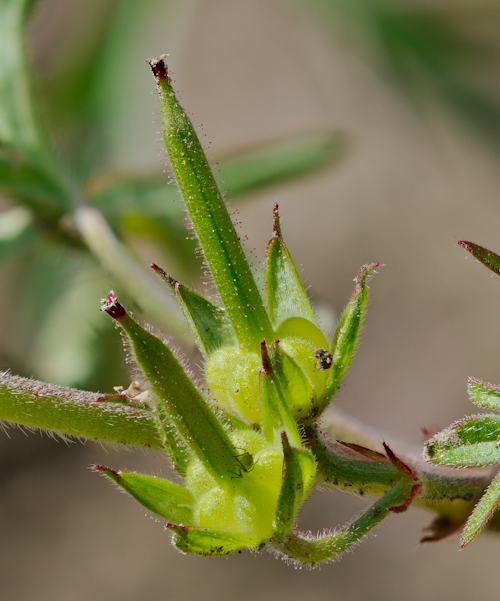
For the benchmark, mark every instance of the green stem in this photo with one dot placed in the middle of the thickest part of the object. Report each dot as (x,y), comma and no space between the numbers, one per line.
(71,412)
(304,548)
(215,230)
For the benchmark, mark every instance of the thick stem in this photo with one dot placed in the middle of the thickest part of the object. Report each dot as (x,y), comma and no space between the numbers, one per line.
(71,412)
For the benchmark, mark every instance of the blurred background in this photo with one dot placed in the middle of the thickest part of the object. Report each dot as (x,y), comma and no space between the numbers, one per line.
(376,126)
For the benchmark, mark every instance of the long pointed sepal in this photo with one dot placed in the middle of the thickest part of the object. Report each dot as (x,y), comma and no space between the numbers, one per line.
(166,499)
(180,406)
(286,296)
(208,323)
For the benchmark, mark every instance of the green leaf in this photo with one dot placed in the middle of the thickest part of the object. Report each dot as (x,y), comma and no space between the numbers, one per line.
(483,394)
(347,333)
(209,542)
(162,497)
(209,324)
(71,412)
(213,226)
(180,406)
(298,476)
(482,513)
(470,442)
(286,296)
(487,257)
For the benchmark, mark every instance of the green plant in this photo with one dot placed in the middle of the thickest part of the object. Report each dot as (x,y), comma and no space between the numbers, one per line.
(247,447)
(248,450)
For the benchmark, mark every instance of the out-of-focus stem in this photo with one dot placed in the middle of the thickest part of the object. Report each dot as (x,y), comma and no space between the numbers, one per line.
(158,305)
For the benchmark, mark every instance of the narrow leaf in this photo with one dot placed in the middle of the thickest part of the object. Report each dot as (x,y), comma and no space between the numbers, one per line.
(71,412)
(280,160)
(209,324)
(482,513)
(209,542)
(485,256)
(168,500)
(286,296)
(483,394)
(347,333)
(180,405)
(212,223)
(470,442)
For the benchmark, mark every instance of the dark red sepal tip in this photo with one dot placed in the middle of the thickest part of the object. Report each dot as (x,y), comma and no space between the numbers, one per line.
(102,468)
(112,306)
(159,67)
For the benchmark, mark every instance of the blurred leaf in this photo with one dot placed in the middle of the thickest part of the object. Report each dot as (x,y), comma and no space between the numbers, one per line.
(279,161)
(28,172)
(68,346)
(152,206)
(18,125)
(471,442)
(17,232)
(29,183)
(432,50)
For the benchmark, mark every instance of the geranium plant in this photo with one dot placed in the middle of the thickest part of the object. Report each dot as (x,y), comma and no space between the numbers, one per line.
(246,443)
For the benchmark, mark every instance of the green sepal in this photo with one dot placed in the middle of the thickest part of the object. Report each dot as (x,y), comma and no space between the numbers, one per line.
(482,513)
(274,399)
(483,394)
(209,324)
(209,542)
(294,384)
(470,442)
(285,293)
(299,469)
(304,548)
(347,333)
(487,257)
(166,499)
(180,407)
(212,223)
